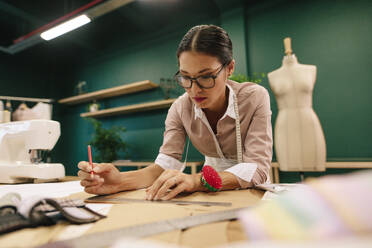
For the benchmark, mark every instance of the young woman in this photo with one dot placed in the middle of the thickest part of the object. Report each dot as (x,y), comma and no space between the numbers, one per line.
(228,122)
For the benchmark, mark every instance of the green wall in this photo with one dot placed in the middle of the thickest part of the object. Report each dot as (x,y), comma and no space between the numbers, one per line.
(20,77)
(333,35)
(137,59)
(144,133)
(336,37)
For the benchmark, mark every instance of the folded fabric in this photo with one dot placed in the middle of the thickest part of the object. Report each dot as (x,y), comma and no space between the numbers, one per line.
(39,211)
(39,111)
(329,207)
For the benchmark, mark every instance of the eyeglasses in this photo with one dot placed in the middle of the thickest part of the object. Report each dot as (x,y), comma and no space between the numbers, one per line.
(204,82)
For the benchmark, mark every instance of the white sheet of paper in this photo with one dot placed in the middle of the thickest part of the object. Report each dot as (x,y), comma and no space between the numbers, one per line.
(56,190)
(43,189)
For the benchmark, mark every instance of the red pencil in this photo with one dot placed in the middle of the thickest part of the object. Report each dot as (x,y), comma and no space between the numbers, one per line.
(90,159)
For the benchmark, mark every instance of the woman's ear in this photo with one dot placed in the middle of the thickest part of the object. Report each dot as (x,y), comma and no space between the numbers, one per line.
(230,68)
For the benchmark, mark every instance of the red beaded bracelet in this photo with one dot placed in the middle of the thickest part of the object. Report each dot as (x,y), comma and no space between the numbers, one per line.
(210,179)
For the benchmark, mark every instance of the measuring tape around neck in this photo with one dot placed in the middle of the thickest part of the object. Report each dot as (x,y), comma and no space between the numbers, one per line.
(237,131)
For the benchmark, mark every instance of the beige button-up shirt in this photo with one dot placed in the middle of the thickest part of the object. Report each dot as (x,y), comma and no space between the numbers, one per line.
(185,118)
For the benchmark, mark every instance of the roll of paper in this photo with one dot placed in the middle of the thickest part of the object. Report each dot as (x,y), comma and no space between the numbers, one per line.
(6,116)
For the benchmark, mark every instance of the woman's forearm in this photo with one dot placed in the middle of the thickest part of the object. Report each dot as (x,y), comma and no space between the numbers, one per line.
(145,177)
(229,181)
(139,179)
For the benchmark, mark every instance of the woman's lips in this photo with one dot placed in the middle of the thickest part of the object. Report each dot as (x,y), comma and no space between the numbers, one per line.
(199,99)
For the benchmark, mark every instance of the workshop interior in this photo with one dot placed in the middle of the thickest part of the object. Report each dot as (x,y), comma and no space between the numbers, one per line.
(93,80)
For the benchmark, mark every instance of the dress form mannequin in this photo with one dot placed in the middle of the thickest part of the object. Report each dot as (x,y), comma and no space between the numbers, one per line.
(299,139)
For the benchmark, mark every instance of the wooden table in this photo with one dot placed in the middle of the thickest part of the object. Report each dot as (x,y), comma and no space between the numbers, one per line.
(129,214)
(139,165)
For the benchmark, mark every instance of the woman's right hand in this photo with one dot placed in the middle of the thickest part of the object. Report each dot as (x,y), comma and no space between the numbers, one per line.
(106,178)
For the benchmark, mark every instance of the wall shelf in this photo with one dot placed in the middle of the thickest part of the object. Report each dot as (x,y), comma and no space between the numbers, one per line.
(130,108)
(139,165)
(111,92)
(328,165)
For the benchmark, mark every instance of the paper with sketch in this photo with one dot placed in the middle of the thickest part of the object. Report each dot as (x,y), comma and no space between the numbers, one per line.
(273,190)
(279,187)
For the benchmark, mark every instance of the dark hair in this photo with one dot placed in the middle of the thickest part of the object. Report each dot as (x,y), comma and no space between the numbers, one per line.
(208,39)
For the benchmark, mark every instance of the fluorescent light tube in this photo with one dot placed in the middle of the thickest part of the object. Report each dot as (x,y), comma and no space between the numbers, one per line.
(65,27)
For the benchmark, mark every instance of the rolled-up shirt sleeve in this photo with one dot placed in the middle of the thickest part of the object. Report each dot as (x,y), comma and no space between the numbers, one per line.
(170,153)
(257,147)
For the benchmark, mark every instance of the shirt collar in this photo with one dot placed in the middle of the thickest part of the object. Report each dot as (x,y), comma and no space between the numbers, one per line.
(230,107)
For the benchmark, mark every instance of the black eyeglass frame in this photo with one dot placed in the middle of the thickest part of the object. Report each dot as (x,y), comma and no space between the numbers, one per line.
(195,79)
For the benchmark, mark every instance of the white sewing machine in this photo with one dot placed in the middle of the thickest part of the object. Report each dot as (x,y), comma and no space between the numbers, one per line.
(22,147)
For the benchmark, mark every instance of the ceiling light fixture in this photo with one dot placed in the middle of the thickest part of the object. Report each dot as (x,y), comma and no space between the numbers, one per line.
(65,27)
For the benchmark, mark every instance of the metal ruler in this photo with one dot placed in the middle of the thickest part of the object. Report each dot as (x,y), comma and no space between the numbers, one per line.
(104,239)
(104,199)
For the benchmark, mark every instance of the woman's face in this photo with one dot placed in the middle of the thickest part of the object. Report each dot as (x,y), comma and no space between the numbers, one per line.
(194,64)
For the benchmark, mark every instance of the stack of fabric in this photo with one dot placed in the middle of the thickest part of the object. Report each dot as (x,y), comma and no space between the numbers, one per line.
(327,208)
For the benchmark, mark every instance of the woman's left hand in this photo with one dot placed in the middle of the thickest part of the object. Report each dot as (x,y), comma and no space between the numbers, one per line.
(169,184)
